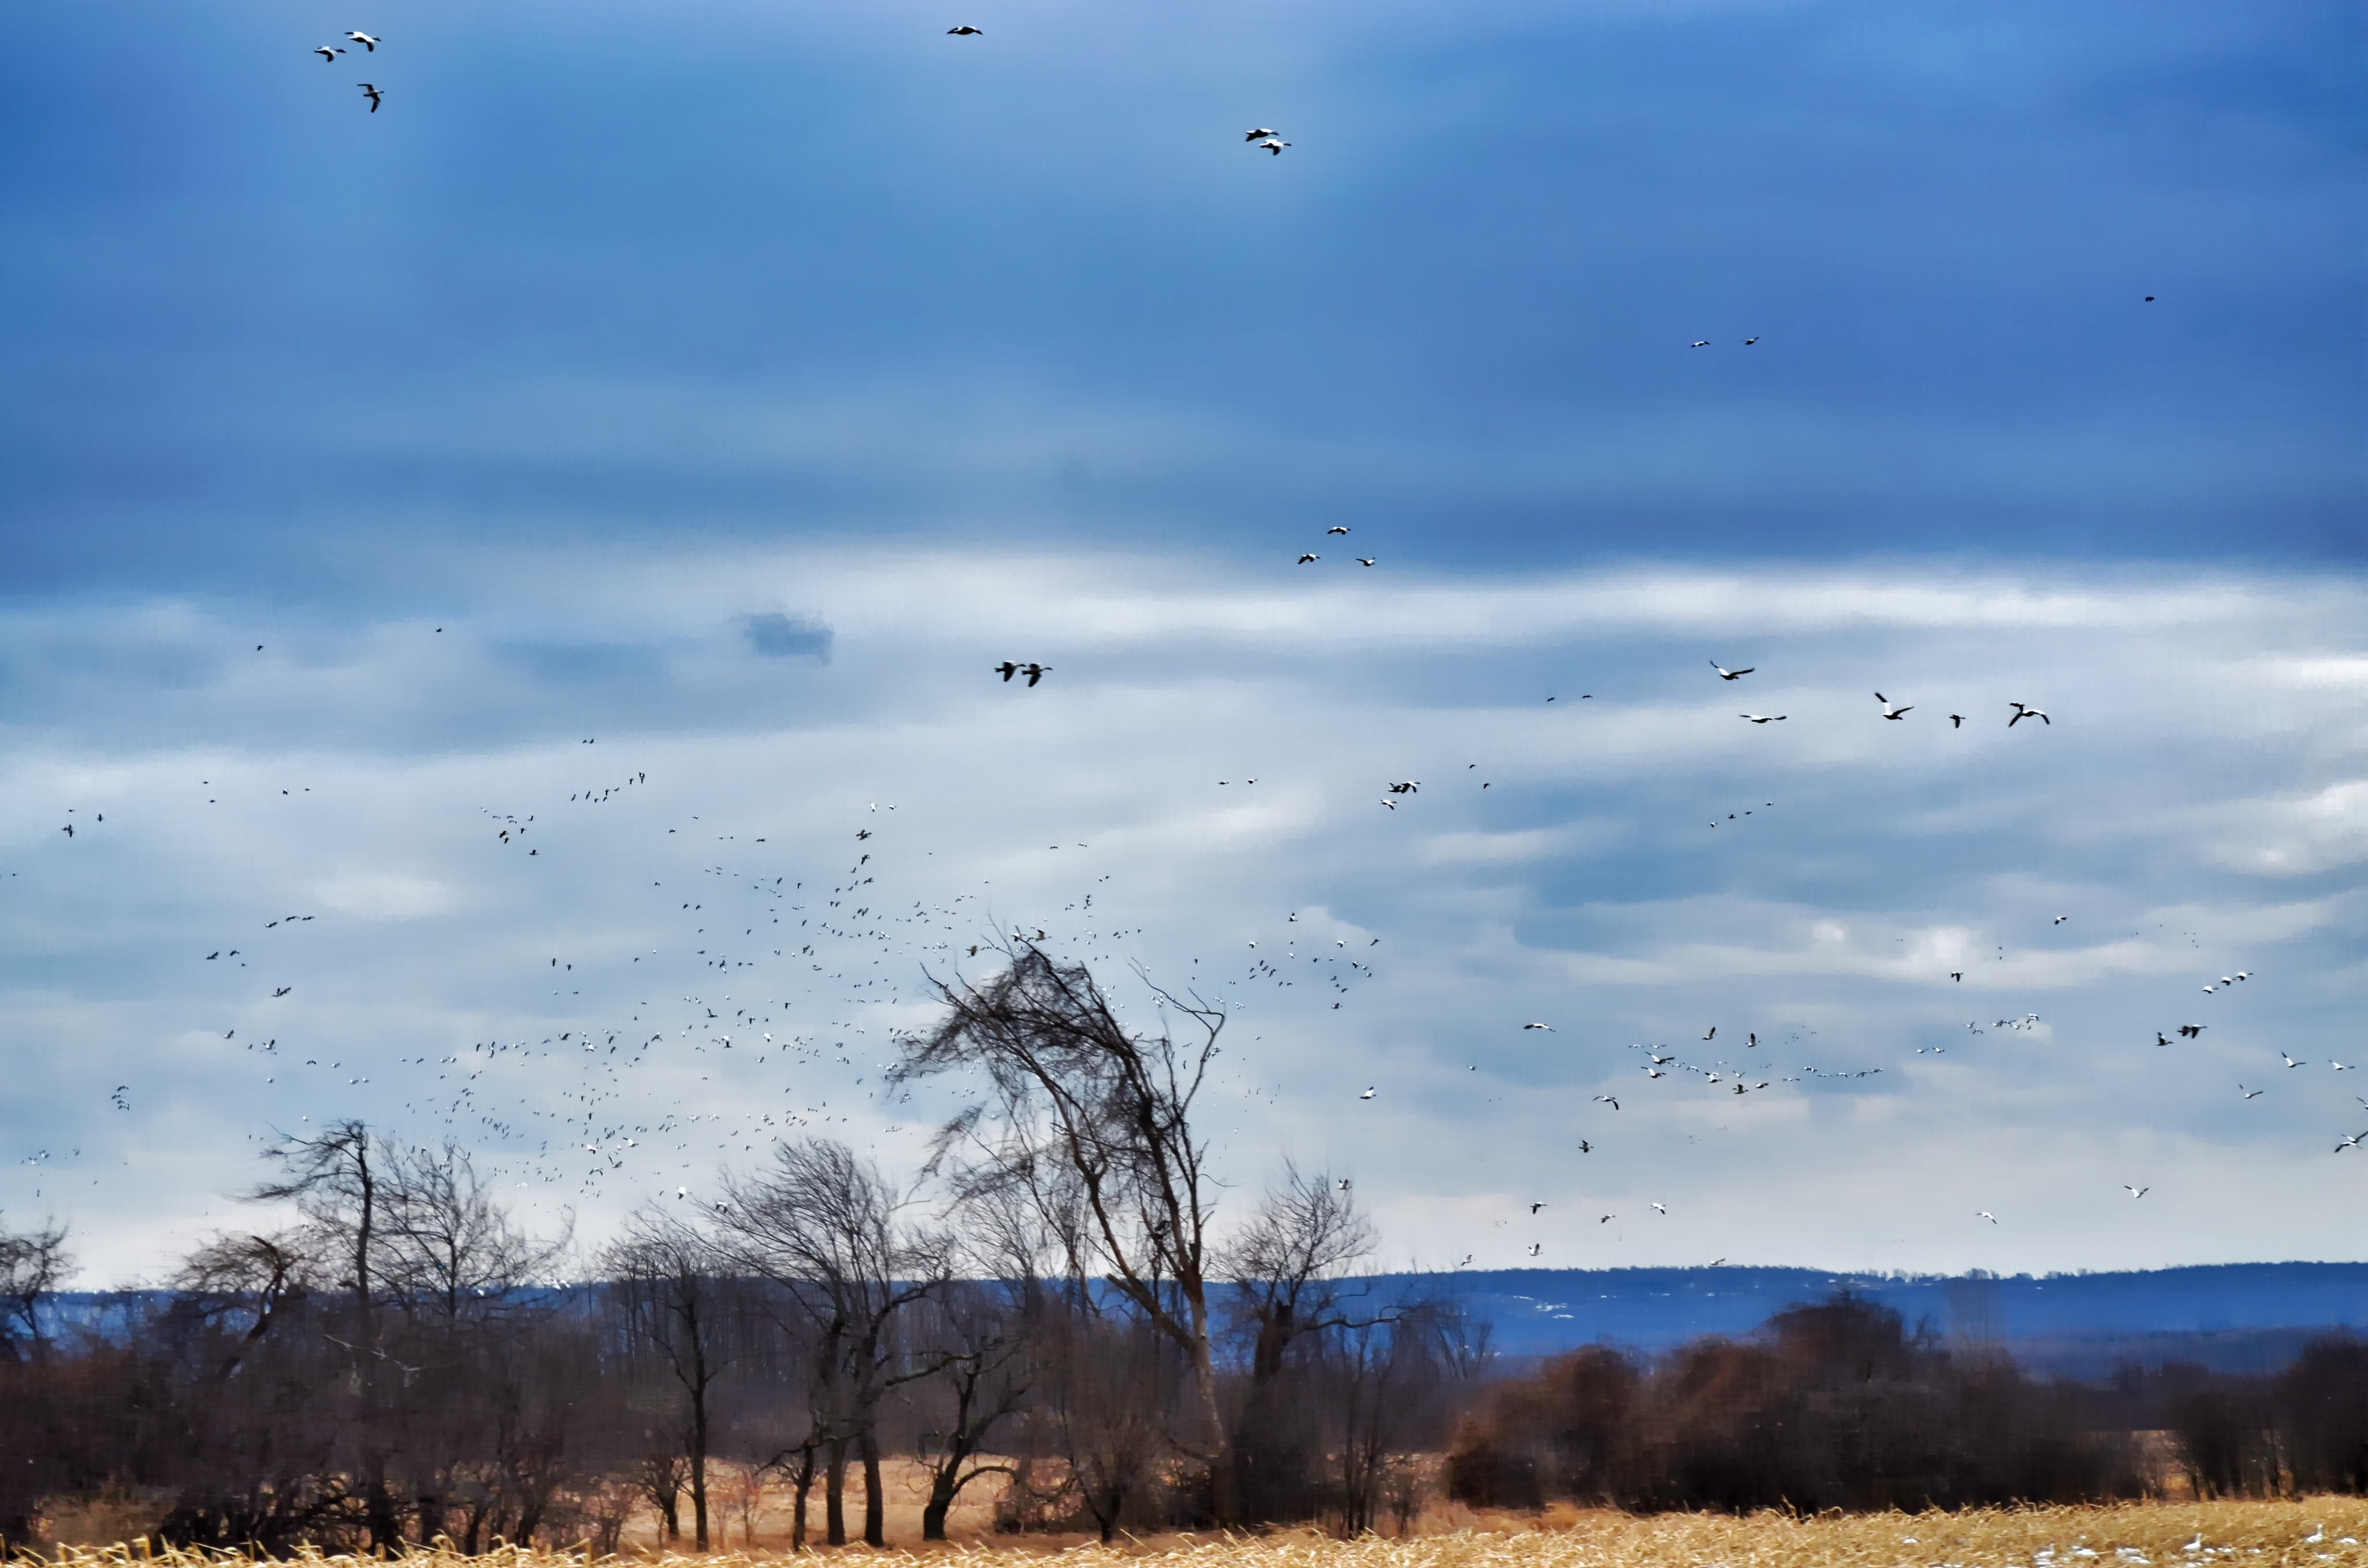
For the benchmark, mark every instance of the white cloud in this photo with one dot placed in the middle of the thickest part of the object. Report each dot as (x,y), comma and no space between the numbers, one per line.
(719,802)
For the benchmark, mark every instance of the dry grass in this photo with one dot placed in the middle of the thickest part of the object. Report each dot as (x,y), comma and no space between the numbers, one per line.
(2302,1534)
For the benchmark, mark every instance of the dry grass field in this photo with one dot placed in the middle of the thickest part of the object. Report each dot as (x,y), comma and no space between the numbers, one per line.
(2302,1534)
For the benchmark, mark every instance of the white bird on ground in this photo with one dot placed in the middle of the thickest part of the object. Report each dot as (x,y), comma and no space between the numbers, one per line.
(368,43)
(2025,710)
(1891,711)
(1725,674)
(1764,718)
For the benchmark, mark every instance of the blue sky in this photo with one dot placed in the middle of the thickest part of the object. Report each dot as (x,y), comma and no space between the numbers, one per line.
(733,387)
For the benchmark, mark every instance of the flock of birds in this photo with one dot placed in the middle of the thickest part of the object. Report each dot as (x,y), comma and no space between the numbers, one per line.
(771,1005)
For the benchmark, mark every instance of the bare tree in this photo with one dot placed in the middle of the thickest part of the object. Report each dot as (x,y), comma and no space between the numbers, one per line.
(826,1226)
(1286,1267)
(31,1264)
(664,1275)
(450,1246)
(1095,1120)
(257,1274)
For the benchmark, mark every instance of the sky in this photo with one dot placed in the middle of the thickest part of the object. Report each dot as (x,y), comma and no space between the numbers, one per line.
(649,427)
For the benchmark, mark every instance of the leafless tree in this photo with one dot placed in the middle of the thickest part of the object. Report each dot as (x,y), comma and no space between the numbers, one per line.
(665,1276)
(252,1273)
(828,1229)
(31,1265)
(1286,1267)
(448,1247)
(1094,1122)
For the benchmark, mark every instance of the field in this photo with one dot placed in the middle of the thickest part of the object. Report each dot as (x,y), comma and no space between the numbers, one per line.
(2301,1533)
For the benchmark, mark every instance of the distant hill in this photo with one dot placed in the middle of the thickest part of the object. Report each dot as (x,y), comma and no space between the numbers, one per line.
(2238,1317)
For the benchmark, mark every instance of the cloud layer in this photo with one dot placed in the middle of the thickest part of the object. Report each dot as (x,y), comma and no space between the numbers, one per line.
(1598,842)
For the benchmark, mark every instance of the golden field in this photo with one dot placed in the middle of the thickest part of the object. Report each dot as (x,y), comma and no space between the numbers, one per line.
(2301,1533)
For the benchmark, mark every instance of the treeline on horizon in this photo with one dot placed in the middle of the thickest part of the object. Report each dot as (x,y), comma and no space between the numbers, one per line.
(1063,1323)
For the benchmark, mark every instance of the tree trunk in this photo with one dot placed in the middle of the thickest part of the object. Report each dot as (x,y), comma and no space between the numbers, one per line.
(875,1497)
(833,1493)
(698,1494)
(804,1477)
(1221,1496)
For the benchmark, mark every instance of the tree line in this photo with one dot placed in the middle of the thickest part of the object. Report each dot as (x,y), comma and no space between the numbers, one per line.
(1059,1319)
(1046,1308)
(1839,1405)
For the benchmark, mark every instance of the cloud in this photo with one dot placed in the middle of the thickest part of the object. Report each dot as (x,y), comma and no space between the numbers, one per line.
(493,893)
(779,636)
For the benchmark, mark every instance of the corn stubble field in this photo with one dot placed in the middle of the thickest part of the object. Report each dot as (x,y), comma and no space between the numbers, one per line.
(2295,1533)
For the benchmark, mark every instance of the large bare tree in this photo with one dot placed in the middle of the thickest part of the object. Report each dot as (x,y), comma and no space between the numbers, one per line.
(1093,1121)
(827,1227)
(667,1277)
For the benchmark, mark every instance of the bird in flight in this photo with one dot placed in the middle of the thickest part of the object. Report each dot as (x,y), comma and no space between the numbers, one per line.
(2135,1192)
(1957,721)
(1763,718)
(1367,1095)
(1274,144)
(1699,342)
(1536,1248)
(283,991)
(1710,1031)
(2251,1094)
(1891,711)
(1548,1027)
(1406,787)
(372,93)
(1007,669)
(1986,1214)
(1724,674)
(1260,134)
(1535,1206)
(2290,1061)
(1338,529)
(1659,1210)
(1364,560)
(1307,555)
(368,43)
(1035,672)
(1584,1147)
(2188,1031)
(1611,1100)
(965,30)
(2025,710)
(329,54)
